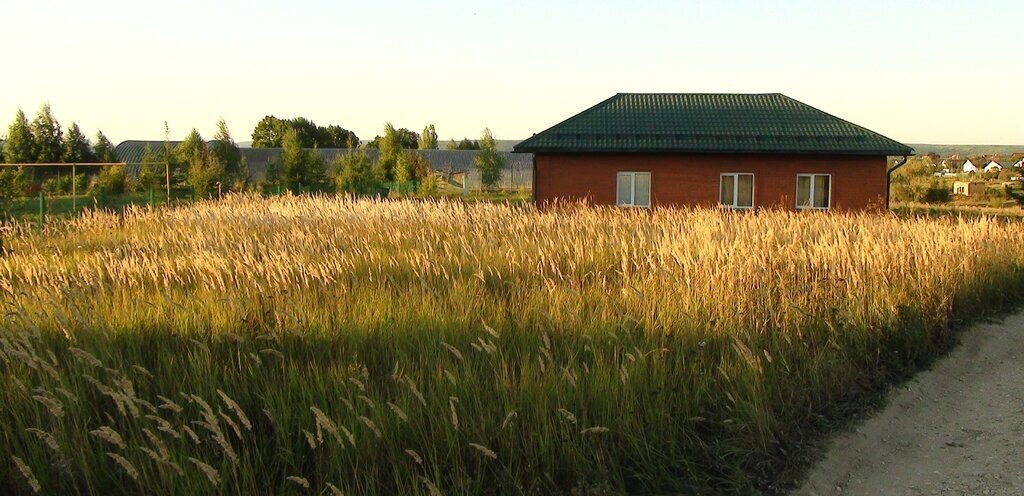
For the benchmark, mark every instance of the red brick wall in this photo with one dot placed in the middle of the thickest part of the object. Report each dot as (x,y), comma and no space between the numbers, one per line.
(858,182)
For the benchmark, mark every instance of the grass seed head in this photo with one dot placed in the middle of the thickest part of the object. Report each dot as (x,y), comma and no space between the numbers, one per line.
(26,472)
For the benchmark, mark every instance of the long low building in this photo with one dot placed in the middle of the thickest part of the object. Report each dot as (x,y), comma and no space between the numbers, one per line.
(456,165)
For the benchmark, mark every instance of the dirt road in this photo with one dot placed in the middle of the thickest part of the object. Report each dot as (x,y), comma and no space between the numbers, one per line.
(955,429)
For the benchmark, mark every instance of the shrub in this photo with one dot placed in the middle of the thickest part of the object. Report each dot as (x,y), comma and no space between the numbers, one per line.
(146,180)
(12,186)
(53,186)
(936,192)
(430,185)
(113,180)
(354,173)
(205,171)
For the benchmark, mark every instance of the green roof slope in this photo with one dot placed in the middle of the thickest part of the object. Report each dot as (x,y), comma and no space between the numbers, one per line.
(709,123)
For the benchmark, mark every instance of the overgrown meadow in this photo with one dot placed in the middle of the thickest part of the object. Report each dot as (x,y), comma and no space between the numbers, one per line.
(319,345)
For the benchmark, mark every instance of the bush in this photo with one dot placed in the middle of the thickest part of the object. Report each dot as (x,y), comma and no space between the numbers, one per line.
(146,180)
(353,173)
(52,186)
(113,180)
(205,171)
(935,192)
(431,185)
(12,185)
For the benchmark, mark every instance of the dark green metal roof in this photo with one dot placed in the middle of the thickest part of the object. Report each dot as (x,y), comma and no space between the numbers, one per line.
(709,123)
(131,151)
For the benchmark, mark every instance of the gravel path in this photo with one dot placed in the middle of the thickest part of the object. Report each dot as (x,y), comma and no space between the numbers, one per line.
(953,430)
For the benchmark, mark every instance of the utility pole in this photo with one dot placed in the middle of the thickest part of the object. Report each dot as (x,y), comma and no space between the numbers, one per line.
(167,160)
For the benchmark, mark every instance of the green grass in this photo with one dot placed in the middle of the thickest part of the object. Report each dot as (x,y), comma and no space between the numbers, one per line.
(466,348)
(63,206)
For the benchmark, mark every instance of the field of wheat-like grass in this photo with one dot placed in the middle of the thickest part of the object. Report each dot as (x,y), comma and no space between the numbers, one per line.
(322,345)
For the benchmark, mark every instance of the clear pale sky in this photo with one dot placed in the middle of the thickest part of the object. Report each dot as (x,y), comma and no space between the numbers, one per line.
(919,72)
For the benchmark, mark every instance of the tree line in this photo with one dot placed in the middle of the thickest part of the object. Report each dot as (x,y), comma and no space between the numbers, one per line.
(271,130)
(219,166)
(397,163)
(43,140)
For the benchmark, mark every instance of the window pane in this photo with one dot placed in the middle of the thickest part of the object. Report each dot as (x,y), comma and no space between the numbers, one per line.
(725,195)
(625,189)
(821,191)
(803,191)
(642,191)
(745,194)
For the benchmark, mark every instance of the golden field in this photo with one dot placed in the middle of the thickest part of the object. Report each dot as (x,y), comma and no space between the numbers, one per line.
(327,345)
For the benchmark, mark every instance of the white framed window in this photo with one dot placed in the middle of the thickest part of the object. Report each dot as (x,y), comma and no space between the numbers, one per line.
(813,191)
(736,190)
(633,189)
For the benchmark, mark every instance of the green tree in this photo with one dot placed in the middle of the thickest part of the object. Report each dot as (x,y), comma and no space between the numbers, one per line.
(404,167)
(269,132)
(272,175)
(308,132)
(112,180)
(411,166)
(205,172)
(452,145)
(172,168)
(430,185)
(103,150)
(293,159)
(20,146)
(488,161)
(315,177)
(12,185)
(465,144)
(49,137)
(390,146)
(241,181)
(428,140)
(299,167)
(353,173)
(148,178)
(406,138)
(339,137)
(226,150)
(77,148)
(191,148)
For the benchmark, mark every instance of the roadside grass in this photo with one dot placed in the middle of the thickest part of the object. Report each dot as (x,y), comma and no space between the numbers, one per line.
(317,344)
(958,210)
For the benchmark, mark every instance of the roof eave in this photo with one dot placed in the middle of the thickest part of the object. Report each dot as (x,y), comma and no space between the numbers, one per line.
(889,152)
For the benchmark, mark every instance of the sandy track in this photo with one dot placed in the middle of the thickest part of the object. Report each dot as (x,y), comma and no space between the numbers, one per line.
(955,429)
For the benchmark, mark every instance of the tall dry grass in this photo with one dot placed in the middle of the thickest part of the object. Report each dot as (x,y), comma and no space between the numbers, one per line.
(365,347)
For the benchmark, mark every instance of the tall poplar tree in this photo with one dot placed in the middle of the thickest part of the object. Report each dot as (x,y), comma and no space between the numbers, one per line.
(103,150)
(488,161)
(48,136)
(226,150)
(20,146)
(428,140)
(77,147)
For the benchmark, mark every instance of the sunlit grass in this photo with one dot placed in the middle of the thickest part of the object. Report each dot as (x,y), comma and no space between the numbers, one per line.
(325,345)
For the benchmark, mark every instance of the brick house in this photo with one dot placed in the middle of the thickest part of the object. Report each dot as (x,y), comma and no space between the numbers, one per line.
(738,151)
